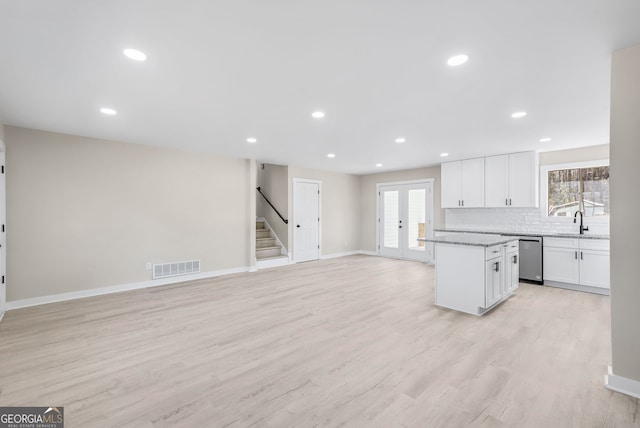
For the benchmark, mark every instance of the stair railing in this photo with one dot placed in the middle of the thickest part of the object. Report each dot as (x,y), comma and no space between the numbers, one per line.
(271,205)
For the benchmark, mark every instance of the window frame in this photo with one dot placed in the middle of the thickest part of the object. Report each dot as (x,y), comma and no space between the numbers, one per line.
(544,190)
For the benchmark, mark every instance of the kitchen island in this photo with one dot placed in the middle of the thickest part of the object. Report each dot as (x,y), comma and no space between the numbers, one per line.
(474,273)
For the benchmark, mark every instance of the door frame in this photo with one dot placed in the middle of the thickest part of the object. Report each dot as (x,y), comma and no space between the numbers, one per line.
(429,212)
(3,240)
(294,181)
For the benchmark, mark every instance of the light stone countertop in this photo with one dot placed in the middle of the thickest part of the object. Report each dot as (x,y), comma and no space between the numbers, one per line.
(543,234)
(485,240)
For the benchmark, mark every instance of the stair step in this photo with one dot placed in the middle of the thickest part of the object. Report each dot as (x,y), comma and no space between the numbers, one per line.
(260,225)
(263,233)
(265,242)
(265,252)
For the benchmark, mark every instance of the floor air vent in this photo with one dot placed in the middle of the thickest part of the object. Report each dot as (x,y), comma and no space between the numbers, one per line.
(165,270)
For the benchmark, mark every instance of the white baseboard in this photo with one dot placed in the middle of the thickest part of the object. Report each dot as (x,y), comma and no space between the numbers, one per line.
(336,255)
(35,301)
(265,264)
(368,253)
(348,253)
(622,384)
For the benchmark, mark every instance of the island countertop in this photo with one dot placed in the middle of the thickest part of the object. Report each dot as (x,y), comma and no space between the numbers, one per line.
(484,240)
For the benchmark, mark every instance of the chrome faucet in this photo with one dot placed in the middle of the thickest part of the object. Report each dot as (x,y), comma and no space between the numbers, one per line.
(582,227)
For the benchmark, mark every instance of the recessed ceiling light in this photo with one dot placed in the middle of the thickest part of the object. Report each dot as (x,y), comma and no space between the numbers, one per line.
(252,140)
(108,111)
(378,165)
(545,140)
(519,114)
(318,114)
(331,155)
(444,155)
(400,140)
(457,60)
(135,54)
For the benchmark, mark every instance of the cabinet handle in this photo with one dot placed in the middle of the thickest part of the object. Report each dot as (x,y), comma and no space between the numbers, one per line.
(506,202)
(458,202)
(576,255)
(581,258)
(463,202)
(497,268)
(509,201)
(515,259)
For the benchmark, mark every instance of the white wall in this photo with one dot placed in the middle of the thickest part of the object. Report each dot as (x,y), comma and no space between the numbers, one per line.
(530,220)
(340,216)
(368,197)
(625,212)
(274,183)
(85,213)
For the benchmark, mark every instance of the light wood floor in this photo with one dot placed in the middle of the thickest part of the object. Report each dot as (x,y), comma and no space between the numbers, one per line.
(354,341)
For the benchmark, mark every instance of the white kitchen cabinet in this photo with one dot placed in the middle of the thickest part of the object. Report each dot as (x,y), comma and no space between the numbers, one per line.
(511,180)
(493,281)
(594,268)
(462,184)
(577,262)
(471,277)
(561,264)
(512,267)
(450,184)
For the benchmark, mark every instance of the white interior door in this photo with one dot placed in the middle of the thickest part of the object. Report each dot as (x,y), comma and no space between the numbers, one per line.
(406,212)
(306,220)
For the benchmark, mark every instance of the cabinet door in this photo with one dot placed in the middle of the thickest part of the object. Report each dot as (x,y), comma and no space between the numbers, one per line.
(594,268)
(493,281)
(522,180)
(561,264)
(496,181)
(472,183)
(512,271)
(450,185)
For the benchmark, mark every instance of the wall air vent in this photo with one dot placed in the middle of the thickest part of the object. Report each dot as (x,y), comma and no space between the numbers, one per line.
(165,270)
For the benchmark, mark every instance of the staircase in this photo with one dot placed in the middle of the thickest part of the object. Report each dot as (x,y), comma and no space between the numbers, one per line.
(266,246)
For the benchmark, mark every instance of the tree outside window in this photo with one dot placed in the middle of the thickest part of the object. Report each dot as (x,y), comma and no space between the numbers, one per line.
(578,189)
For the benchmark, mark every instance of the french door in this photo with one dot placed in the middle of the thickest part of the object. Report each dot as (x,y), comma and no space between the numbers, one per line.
(406,214)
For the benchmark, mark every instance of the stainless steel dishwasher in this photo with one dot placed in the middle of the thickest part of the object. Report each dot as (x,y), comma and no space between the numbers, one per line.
(531,259)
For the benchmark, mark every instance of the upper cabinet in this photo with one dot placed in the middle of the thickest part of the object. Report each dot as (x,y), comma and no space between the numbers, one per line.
(510,180)
(463,184)
(496,181)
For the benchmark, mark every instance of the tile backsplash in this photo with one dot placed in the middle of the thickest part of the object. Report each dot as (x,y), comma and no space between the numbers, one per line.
(526,220)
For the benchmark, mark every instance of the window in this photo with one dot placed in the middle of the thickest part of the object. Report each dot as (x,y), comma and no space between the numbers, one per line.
(577,188)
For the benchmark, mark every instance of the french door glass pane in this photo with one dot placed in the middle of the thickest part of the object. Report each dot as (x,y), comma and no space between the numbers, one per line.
(391,218)
(416,218)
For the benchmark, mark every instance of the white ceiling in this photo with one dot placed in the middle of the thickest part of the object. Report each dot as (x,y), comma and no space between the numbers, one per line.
(221,71)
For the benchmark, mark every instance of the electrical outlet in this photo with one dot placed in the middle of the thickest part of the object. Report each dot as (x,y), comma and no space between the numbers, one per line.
(148,266)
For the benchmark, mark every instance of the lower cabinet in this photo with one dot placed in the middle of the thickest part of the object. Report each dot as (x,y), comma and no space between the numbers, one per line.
(581,262)
(473,279)
(493,281)
(512,267)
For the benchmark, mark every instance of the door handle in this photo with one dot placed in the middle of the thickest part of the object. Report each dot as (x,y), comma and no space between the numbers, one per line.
(297,225)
